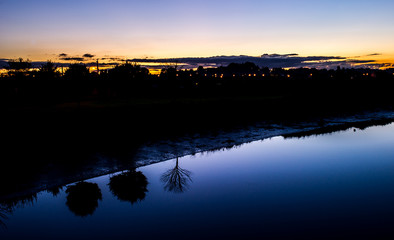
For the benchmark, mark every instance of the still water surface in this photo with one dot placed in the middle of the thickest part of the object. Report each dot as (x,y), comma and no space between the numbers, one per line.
(339,185)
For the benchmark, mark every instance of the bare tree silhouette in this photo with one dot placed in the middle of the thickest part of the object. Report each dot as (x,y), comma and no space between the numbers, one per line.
(176,179)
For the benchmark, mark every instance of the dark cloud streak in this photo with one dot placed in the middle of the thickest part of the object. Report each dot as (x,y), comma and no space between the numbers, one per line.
(88,55)
(78,59)
(113,59)
(374,54)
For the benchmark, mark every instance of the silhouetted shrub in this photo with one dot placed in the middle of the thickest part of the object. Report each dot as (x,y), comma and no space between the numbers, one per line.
(77,72)
(82,198)
(130,186)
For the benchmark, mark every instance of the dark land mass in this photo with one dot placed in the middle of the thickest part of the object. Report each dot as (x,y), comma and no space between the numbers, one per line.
(59,129)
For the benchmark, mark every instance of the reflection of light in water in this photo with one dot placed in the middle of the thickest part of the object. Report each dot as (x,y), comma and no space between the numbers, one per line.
(177,179)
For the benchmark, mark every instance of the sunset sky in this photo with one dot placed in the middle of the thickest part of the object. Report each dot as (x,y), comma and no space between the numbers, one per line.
(42,29)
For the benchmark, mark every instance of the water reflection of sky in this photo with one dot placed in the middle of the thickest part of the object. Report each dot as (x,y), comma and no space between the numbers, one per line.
(334,185)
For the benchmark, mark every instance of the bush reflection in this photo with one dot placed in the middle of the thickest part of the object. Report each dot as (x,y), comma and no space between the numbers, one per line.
(82,198)
(130,186)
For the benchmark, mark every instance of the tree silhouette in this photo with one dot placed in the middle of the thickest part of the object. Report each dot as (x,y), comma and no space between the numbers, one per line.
(176,179)
(77,72)
(128,71)
(82,198)
(19,64)
(48,71)
(246,68)
(18,67)
(168,73)
(130,186)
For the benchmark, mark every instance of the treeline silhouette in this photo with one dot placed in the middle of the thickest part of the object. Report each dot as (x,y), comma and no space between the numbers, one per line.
(129,81)
(231,94)
(245,90)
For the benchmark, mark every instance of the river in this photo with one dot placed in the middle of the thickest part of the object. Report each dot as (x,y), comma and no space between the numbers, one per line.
(329,186)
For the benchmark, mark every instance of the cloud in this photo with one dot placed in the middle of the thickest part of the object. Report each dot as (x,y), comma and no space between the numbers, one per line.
(66,57)
(359,61)
(78,59)
(374,54)
(88,55)
(117,59)
(266,55)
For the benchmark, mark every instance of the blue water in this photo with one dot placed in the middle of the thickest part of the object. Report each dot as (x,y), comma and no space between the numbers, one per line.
(334,186)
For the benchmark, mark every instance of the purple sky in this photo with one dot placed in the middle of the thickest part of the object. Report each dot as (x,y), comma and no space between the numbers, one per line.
(43,29)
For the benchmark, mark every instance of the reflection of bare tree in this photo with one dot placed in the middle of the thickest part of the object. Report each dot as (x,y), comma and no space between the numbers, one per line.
(130,186)
(177,179)
(83,198)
